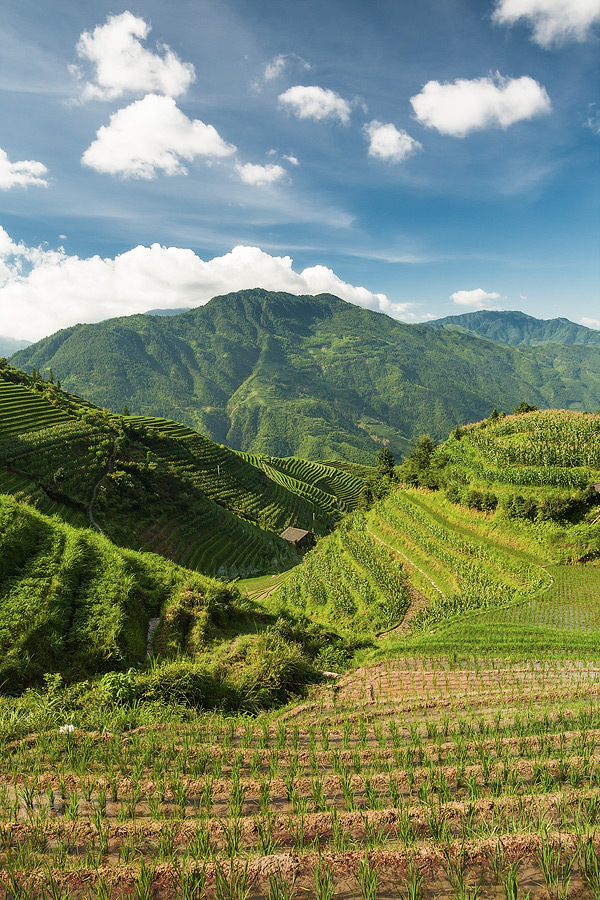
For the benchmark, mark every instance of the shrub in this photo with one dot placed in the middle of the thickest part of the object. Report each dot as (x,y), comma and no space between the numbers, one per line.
(119,687)
(486,501)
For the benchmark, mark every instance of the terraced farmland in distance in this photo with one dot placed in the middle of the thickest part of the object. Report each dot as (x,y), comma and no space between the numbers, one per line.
(21,411)
(437,777)
(159,486)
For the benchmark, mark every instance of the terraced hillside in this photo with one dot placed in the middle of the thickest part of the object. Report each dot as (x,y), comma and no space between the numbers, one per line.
(487,513)
(437,777)
(73,603)
(461,759)
(153,484)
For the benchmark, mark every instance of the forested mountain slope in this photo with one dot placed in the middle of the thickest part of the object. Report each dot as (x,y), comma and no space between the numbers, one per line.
(315,377)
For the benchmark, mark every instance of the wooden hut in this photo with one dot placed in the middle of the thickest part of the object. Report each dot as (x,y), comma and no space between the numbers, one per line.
(300,538)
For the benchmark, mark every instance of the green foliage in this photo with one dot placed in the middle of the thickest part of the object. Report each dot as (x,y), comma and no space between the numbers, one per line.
(524,407)
(73,603)
(119,687)
(385,461)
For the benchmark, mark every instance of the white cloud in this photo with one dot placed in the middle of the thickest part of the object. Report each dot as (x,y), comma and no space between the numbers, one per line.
(553,21)
(293,160)
(22,173)
(389,144)
(590,323)
(462,106)
(122,65)
(477,298)
(315,103)
(276,67)
(260,175)
(44,290)
(152,135)
(593,120)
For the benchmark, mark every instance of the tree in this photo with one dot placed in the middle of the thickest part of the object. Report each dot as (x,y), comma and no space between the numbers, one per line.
(385,461)
(524,407)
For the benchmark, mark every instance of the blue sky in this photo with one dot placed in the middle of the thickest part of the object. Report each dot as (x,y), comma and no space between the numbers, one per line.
(422,159)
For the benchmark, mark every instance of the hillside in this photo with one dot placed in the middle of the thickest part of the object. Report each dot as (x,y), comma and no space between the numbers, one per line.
(314,377)
(459,759)
(473,527)
(518,329)
(73,603)
(153,484)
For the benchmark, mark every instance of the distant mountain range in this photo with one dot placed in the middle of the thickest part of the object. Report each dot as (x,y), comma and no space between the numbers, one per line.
(518,329)
(9,345)
(310,376)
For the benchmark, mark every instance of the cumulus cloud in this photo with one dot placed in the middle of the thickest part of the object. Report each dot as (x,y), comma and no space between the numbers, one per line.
(260,175)
(152,135)
(462,106)
(389,144)
(315,103)
(553,21)
(44,290)
(22,173)
(591,323)
(121,64)
(478,298)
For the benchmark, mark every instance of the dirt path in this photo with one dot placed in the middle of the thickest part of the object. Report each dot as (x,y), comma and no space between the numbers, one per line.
(111,461)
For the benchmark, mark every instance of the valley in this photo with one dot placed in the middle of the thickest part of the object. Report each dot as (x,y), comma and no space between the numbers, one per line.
(410,709)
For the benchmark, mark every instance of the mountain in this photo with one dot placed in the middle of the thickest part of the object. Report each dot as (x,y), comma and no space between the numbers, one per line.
(518,329)
(315,377)
(9,345)
(166,312)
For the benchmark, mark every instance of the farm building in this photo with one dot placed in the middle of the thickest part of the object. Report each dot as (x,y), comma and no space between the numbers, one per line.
(300,538)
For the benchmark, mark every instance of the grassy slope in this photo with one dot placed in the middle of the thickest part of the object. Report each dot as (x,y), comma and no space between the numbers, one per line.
(169,489)
(310,376)
(72,602)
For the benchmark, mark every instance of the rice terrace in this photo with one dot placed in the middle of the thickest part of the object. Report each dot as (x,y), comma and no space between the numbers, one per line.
(411,709)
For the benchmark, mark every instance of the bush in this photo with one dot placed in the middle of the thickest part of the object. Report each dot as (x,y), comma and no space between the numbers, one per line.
(486,501)
(454,493)
(183,682)
(119,687)
(519,507)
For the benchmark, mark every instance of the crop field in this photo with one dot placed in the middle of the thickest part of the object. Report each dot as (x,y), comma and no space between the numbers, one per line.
(155,484)
(22,411)
(446,776)
(545,448)
(572,602)
(350,580)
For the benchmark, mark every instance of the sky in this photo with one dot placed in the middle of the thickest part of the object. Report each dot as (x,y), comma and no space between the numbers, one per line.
(419,159)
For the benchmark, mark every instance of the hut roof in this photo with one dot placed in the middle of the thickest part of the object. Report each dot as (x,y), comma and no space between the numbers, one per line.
(294,534)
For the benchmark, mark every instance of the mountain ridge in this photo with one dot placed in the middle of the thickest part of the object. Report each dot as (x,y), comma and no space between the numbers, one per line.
(517,329)
(311,376)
